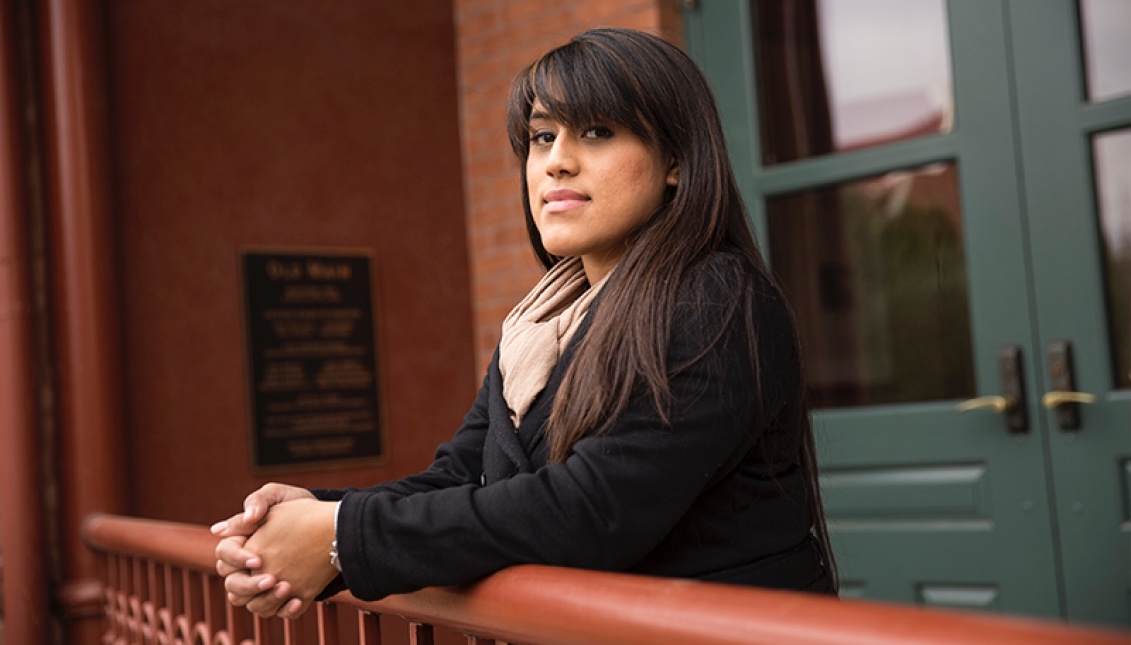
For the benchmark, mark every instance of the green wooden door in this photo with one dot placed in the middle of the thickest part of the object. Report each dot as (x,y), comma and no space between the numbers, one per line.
(1076,154)
(941,262)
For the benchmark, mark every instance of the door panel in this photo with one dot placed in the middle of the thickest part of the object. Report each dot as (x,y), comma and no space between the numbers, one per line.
(928,505)
(921,498)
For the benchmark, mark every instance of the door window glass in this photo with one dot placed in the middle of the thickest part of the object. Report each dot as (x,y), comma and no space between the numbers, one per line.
(838,75)
(1111,152)
(876,273)
(1107,47)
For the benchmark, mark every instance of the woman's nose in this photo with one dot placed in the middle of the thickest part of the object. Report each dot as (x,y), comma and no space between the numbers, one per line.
(562,158)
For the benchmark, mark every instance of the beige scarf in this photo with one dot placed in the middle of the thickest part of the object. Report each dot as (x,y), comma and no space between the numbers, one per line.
(537,330)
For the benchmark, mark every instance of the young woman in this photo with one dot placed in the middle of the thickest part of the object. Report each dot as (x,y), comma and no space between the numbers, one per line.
(644,411)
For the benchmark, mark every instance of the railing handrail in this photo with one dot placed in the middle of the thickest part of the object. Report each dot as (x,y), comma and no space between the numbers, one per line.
(558,606)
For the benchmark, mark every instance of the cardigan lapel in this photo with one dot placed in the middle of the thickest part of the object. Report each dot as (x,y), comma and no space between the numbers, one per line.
(507,451)
(531,431)
(501,437)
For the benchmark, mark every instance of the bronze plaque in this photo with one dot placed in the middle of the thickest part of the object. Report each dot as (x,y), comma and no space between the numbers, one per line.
(312,361)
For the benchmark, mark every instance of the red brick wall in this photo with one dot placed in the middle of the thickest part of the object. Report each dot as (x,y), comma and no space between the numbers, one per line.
(495,39)
(260,124)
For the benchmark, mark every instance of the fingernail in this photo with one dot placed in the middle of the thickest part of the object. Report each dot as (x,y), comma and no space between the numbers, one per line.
(252,563)
(219,527)
(249,512)
(264,584)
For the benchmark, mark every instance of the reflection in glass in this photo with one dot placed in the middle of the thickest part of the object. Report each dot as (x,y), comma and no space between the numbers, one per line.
(1107,47)
(876,273)
(1112,157)
(838,75)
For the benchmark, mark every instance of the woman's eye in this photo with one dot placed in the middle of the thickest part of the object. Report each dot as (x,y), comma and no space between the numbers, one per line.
(542,138)
(597,132)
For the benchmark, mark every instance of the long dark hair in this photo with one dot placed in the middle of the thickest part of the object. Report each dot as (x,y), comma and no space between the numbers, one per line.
(653,89)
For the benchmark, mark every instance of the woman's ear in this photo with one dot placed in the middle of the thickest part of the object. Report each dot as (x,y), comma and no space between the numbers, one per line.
(673,173)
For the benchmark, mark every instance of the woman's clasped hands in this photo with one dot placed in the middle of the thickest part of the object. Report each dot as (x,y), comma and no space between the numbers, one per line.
(274,556)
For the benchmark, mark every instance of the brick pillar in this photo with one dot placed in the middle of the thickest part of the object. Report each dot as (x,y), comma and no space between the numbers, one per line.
(495,39)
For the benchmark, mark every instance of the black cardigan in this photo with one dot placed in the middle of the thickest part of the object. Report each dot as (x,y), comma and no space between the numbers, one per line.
(716,495)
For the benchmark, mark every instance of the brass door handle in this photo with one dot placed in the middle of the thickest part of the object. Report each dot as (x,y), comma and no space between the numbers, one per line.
(1057,398)
(995,403)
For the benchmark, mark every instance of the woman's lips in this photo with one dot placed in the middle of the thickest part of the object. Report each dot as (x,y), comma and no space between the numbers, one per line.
(562,199)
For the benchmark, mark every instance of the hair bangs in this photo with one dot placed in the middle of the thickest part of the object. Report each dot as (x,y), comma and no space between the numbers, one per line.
(579,84)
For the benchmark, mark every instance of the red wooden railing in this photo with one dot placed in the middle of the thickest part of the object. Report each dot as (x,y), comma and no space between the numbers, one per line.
(161,588)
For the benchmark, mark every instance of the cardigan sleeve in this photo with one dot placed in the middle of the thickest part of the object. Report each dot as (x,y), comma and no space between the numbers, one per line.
(456,462)
(605,507)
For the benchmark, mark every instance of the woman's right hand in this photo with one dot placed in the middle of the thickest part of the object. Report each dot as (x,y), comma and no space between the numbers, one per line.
(235,562)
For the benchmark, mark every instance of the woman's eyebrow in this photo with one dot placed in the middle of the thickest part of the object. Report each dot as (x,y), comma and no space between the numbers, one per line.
(538,114)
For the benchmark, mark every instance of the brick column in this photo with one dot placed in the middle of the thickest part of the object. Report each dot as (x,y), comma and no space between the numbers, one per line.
(495,39)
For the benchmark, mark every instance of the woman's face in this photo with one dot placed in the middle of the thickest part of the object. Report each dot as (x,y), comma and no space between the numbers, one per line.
(590,188)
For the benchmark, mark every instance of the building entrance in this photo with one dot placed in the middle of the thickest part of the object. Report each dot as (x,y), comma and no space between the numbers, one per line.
(942,187)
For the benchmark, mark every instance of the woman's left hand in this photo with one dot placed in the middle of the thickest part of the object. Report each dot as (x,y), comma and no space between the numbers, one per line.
(293,544)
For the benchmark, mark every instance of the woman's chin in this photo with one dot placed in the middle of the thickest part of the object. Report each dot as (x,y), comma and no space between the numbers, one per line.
(559,249)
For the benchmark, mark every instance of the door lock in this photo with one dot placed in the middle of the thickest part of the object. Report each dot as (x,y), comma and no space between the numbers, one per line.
(1011,401)
(1063,399)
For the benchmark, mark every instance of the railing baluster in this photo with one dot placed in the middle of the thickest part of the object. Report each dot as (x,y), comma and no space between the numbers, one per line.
(113,582)
(189,613)
(236,618)
(211,602)
(368,628)
(420,634)
(174,600)
(479,640)
(218,620)
(291,633)
(327,623)
(126,598)
(150,602)
(188,596)
(134,597)
(262,628)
